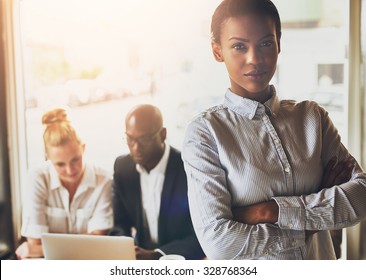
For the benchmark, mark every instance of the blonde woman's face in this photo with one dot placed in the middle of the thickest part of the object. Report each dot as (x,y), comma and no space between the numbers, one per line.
(68,161)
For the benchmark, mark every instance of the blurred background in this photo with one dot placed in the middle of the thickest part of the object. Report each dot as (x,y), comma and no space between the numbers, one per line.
(99,58)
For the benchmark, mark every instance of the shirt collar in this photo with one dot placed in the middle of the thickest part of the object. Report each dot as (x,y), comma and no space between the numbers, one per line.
(54,179)
(161,166)
(88,181)
(248,107)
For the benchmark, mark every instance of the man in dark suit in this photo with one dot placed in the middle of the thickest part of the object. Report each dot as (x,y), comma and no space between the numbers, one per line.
(150,191)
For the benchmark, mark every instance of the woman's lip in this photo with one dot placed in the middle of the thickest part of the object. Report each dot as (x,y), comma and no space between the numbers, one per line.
(255,75)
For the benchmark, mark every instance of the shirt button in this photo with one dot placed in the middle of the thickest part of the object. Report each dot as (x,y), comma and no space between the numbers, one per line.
(290,225)
(293,243)
(287,169)
(277,141)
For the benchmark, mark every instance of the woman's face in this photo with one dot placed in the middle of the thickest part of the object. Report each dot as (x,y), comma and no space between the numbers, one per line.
(249,48)
(68,161)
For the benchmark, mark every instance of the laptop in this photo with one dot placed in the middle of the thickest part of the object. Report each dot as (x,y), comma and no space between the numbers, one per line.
(63,246)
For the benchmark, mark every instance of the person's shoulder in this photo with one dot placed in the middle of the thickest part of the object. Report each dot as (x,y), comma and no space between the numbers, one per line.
(206,116)
(214,110)
(124,159)
(296,105)
(175,155)
(40,175)
(97,174)
(97,170)
(42,169)
(124,164)
(174,151)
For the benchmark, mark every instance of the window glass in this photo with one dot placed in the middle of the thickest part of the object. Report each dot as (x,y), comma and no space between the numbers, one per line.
(313,62)
(99,58)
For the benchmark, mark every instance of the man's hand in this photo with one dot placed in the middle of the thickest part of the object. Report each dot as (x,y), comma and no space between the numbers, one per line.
(142,254)
(99,232)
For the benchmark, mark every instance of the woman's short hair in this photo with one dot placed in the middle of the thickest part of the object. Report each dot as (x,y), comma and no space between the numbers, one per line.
(236,8)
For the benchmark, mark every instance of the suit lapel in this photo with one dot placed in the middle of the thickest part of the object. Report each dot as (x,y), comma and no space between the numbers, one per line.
(136,199)
(166,194)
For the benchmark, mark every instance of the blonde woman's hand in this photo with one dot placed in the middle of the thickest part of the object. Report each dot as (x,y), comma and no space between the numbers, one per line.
(32,248)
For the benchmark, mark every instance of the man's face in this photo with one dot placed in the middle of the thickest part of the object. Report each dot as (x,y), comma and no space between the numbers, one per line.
(145,142)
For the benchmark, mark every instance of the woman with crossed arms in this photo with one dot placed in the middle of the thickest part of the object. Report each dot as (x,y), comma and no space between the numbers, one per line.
(267,178)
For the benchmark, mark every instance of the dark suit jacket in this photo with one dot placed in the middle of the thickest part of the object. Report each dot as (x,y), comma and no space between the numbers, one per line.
(175,230)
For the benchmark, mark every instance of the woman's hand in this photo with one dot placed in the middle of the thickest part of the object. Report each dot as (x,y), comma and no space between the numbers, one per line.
(264,212)
(336,174)
(32,248)
(267,212)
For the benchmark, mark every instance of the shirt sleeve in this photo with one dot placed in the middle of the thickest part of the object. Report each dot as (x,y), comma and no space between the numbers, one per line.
(210,205)
(332,208)
(102,217)
(34,221)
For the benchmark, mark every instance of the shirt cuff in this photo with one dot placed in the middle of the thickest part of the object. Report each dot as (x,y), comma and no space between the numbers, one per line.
(291,213)
(34,231)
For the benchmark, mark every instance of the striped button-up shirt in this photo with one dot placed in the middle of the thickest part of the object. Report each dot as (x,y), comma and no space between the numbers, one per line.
(243,152)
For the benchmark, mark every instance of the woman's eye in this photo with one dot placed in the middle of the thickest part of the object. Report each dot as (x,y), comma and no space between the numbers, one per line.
(239,47)
(267,44)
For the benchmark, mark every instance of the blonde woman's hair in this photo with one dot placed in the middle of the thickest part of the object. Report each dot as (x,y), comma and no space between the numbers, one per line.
(58,130)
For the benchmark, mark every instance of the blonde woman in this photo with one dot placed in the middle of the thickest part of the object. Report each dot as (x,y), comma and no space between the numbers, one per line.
(64,195)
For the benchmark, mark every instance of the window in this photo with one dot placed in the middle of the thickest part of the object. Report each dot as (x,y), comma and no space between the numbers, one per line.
(314,59)
(330,74)
(99,58)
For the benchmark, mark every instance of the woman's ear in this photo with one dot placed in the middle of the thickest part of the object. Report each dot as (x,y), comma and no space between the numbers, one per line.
(216,50)
(279,42)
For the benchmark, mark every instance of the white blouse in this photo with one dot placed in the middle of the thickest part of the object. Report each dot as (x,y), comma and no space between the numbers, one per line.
(46,206)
